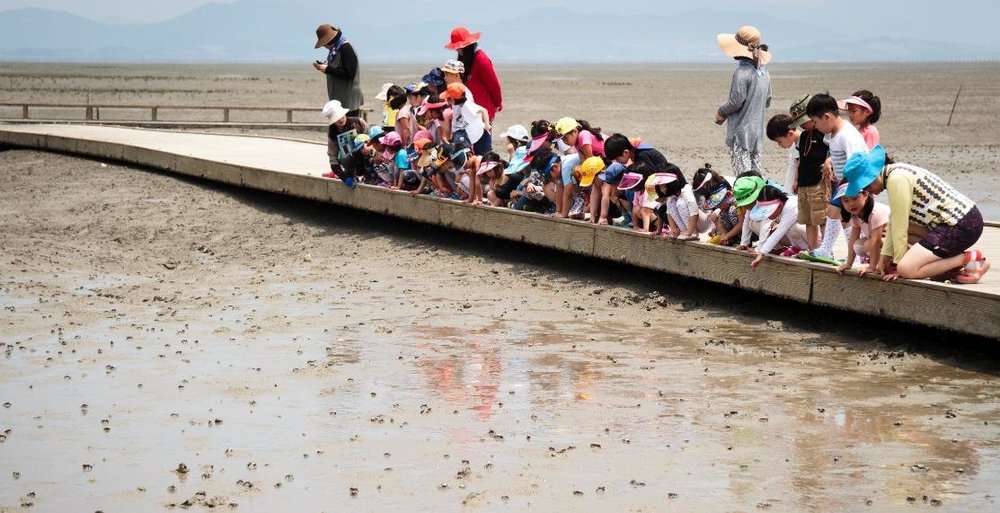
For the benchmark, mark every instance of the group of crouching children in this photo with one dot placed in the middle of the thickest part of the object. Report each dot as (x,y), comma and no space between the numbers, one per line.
(434,139)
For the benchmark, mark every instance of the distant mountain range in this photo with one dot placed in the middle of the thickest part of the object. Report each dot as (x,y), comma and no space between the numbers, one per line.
(265,31)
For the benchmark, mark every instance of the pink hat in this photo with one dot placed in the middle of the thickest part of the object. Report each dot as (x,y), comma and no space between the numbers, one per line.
(842,104)
(426,106)
(704,181)
(423,134)
(629,180)
(485,167)
(660,179)
(537,142)
(392,139)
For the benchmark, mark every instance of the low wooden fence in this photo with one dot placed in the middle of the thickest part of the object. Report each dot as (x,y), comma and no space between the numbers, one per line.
(93,112)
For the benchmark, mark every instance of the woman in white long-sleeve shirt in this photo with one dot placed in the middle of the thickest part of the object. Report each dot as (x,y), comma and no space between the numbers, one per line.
(783,211)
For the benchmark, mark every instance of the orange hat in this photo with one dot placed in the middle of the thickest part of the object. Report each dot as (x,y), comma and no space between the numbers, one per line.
(422,143)
(454,91)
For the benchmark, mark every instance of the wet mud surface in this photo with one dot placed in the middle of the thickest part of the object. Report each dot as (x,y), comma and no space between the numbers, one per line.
(170,344)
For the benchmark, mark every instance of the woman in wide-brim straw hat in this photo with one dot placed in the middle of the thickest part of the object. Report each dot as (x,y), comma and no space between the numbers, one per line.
(749,97)
(343,74)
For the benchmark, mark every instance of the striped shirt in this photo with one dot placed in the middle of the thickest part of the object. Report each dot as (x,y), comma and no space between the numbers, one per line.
(847,141)
(917,196)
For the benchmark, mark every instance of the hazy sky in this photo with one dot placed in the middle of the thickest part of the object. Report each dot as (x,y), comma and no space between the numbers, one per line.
(960,21)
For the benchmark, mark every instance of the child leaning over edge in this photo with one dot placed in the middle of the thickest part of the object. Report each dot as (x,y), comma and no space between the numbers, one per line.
(922,206)
(867,220)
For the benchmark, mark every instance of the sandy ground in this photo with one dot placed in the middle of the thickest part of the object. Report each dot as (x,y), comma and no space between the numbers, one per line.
(173,343)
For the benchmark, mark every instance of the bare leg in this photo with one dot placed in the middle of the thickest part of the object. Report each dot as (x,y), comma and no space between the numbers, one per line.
(919,262)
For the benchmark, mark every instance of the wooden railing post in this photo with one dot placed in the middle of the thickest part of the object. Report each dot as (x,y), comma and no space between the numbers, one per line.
(24,112)
(90,113)
(153,112)
(225,115)
(289,118)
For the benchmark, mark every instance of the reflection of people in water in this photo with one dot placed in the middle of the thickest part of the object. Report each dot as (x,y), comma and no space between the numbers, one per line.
(836,441)
(470,377)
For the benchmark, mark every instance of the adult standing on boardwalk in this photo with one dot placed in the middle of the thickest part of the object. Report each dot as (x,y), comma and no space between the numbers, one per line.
(749,97)
(343,75)
(479,75)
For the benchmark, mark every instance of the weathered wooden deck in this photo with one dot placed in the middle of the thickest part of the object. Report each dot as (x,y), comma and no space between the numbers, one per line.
(294,167)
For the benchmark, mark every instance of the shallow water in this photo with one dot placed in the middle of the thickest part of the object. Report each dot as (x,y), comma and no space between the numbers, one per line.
(289,352)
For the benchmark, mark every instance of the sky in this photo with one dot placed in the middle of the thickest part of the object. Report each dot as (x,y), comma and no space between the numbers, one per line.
(957,21)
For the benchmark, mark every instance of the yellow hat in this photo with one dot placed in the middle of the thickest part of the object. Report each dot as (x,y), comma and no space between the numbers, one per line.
(566,125)
(589,169)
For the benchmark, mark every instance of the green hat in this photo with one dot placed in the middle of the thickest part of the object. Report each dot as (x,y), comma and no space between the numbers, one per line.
(798,111)
(746,190)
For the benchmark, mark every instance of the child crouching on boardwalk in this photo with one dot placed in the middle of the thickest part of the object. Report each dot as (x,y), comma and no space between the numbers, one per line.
(714,194)
(782,211)
(867,220)
(945,222)
(685,218)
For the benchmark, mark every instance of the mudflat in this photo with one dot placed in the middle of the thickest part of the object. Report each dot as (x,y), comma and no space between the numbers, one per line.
(171,343)
(668,105)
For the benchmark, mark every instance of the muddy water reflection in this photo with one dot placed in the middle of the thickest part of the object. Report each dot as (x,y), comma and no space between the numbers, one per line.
(489,408)
(768,421)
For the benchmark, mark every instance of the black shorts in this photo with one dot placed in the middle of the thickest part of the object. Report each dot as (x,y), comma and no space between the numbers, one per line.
(503,191)
(948,241)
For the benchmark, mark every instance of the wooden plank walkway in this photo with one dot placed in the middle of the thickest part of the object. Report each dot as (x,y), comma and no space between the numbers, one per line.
(294,167)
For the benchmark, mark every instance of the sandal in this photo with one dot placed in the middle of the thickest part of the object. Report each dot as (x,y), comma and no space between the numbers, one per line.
(974,269)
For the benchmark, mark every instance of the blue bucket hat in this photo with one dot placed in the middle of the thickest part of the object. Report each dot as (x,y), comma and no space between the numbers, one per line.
(375,132)
(862,168)
(434,77)
(359,142)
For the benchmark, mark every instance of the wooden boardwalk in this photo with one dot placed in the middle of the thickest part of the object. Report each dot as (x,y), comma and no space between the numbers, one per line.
(294,167)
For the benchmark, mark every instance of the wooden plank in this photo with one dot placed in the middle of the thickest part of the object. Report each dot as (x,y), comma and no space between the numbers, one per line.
(916,302)
(302,186)
(526,227)
(210,170)
(100,149)
(387,202)
(776,277)
(23,139)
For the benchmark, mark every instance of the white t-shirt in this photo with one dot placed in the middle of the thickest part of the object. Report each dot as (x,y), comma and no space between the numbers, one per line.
(466,117)
(787,231)
(847,141)
(793,168)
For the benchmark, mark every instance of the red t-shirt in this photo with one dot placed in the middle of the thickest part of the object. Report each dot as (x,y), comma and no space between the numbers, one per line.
(484,84)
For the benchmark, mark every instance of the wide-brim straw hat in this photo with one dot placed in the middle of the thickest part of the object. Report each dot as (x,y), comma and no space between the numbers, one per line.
(738,44)
(325,34)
